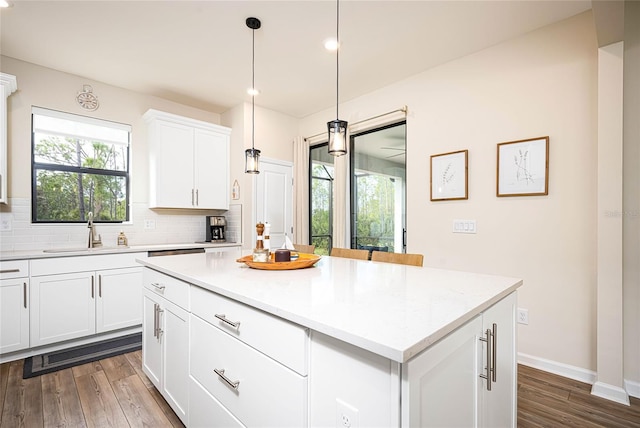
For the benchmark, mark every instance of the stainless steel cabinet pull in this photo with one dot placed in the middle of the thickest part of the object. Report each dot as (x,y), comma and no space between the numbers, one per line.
(487,376)
(224,319)
(192,197)
(100,286)
(93,292)
(494,351)
(197,199)
(158,286)
(9,270)
(160,311)
(155,320)
(24,294)
(232,384)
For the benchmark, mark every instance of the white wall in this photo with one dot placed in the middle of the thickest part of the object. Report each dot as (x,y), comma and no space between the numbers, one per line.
(543,83)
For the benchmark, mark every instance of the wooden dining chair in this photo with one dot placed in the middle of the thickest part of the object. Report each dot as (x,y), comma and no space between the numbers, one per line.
(399,258)
(304,248)
(350,253)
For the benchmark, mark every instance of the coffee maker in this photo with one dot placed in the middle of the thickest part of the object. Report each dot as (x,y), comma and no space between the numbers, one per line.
(215,225)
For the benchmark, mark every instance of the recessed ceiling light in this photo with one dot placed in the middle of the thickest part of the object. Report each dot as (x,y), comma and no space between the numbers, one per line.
(331,44)
(5,3)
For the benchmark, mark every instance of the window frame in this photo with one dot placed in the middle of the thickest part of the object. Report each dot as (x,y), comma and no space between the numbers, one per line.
(37,166)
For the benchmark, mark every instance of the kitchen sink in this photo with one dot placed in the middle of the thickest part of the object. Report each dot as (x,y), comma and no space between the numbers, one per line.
(83,249)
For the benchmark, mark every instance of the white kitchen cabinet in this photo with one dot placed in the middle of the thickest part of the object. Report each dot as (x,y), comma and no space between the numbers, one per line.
(74,297)
(14,306)
(8,86)
(119,299)
(189,162)
(499,405)
(165,343)
(446,384)
(231,342)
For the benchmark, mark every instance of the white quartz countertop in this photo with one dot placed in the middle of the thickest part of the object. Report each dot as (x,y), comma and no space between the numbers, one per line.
(65,251)
(392,310)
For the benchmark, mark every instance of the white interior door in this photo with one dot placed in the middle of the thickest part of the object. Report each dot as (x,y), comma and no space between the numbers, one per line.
(274,195)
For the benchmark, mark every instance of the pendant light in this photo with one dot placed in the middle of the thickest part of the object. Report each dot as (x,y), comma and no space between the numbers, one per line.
(337,128)
(252,155)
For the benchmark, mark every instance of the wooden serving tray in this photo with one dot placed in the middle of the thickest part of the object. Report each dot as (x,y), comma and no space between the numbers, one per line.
(304,261)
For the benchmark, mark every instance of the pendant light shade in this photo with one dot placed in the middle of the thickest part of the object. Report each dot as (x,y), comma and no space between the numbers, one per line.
(337,137)
(337,128)
(252,155)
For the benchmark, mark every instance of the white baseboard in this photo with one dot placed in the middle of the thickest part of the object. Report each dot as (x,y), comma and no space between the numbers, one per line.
(633,388)
(610,392)
(581,375)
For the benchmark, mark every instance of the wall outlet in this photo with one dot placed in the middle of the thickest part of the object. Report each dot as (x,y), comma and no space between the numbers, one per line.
(149,224)
(346,415)
(5,225)
(523,316)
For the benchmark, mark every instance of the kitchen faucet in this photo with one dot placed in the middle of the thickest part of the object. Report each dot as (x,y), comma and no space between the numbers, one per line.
(93,241)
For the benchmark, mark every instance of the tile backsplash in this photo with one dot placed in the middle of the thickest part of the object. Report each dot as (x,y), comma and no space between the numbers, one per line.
(148,227)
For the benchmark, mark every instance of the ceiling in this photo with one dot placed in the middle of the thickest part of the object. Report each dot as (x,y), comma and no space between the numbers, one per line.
(198,53)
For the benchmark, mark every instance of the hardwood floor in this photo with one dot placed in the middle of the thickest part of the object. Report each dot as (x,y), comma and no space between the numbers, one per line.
(547,400)
(115,393)
(108,393)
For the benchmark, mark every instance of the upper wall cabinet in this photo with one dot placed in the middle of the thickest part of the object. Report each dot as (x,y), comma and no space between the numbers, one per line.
(8,85)
(188,162)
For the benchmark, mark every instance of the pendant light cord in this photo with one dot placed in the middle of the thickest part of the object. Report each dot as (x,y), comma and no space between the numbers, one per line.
(253,88)
(337,56)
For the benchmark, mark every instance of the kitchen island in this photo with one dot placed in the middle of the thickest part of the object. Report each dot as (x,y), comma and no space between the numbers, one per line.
(344,343)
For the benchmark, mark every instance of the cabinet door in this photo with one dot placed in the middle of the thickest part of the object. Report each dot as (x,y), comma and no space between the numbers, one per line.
(151,339)
(499,405)
(175,356)
(14,314)
(173,154)
(62,307)
(211,166)
(119,303)
(441,383)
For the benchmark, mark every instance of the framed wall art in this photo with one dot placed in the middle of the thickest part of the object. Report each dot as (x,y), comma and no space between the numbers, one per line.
(449,176)
(523,168)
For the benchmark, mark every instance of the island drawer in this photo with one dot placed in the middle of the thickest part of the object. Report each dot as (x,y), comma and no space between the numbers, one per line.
(267,393)
(280,339)
(206,411)
(14,269)
(172,289)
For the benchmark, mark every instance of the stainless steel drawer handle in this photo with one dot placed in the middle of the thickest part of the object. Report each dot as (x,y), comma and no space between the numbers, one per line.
(232,384)
(9,270)
(158,286)
(224,319)
(494,361)
(24,294)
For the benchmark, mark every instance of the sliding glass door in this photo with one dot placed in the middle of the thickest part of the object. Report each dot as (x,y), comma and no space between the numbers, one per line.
(321,199)
(378,189)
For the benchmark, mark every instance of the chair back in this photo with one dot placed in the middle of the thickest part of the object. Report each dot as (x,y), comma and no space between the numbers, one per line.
(304,248)
(399,258)
(350,253)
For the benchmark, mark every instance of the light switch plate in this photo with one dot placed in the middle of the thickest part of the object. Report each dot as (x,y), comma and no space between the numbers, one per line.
(5,224)
(464,226)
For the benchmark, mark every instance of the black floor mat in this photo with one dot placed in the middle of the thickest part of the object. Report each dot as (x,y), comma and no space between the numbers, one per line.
(65,358)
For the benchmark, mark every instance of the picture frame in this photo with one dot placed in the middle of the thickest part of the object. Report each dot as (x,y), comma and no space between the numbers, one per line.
(449,176)
(523,168)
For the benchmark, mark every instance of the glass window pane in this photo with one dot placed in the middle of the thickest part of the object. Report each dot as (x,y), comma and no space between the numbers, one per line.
(57,150)
(69,196)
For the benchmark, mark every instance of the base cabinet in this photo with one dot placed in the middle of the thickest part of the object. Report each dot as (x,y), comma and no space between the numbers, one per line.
(467,378)
(165,344)
(14,306)
(94,300)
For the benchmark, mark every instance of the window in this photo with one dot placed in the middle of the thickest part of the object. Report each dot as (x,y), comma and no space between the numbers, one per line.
(79,165)
(321,200)
(378,177)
